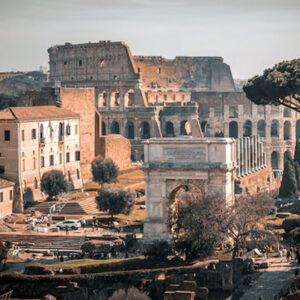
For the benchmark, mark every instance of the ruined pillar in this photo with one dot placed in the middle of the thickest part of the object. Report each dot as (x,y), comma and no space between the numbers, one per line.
(238,158)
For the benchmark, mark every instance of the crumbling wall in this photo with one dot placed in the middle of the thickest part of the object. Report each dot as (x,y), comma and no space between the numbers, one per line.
(117,148)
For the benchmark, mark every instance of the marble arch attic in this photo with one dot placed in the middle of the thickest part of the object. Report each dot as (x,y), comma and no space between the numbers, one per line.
(150,96)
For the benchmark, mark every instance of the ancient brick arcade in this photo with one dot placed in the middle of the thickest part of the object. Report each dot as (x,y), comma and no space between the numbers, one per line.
(141,97)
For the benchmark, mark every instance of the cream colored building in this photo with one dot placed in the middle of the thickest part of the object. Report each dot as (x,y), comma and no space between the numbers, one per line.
(34,140)
(6,197)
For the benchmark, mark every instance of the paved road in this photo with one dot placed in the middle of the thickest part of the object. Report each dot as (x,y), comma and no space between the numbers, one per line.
(278,276)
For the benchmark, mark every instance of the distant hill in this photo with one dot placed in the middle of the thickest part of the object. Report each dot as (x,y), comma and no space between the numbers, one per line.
(17,85)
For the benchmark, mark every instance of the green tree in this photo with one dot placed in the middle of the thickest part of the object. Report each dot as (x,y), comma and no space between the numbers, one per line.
(104,170)
(289,183)
(115,200)
(297,174)
(279,85)
(53,183)
(297,152)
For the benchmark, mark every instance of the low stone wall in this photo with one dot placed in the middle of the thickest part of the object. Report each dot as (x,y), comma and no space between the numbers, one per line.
(117,148)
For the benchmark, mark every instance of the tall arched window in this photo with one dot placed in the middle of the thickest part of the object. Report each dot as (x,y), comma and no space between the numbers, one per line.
(247,128)
(261,128)
(129,130)
(145,130)
(185,128)
(274,160)
(103,128)
(274,128)
(41,131)
(233,129)
(169,129)
(287,130)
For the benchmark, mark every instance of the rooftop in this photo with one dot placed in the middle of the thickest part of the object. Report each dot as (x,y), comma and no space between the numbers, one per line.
(5,183)
(35,113)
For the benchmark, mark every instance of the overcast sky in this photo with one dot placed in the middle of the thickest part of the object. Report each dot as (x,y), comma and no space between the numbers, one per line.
(250,35)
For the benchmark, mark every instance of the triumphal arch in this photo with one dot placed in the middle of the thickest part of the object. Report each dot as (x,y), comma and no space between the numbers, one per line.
(171,163)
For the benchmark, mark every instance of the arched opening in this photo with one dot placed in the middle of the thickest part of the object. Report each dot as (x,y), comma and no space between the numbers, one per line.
(286,113)
(287,130)
(170,129)
(145,130)
(115,99)
(129,98)
(261,128)
(115,128)
(233,129)
(287,156)
(298,129)
(133,157)
(247,128)
(274,128)
(41,131)
(103,128)
(274,160)
(129,130)
(185,128)
(102,99)
(142,157)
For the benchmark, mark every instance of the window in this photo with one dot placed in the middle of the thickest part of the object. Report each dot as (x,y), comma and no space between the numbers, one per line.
(1,196)
(174,97)
(51,158)
(77,155)
(182,97)
(68,129)
(33,134)
(65,63)
(80,63)
(165,97)
(158,70)
(23,165)
(23,135)
(34,163)
(78,174)
(60,158)
(42,161)
(6,135)
(68,157)
(10,194)
(35,183)
(2,169)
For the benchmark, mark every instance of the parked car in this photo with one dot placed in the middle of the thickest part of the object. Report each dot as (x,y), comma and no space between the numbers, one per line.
(71,224)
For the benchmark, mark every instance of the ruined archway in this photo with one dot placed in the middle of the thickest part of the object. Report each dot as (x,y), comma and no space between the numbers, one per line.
(287,130)
(129,130)
(185,128)
(145,130)
(170,129)
(115,99)
(115,128)
(247,128)
(102,99)
(261,128)
(129,98)
(274,128)
(233,129)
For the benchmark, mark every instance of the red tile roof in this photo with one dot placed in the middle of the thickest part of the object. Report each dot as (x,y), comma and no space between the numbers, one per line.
(5,183)
(35,112)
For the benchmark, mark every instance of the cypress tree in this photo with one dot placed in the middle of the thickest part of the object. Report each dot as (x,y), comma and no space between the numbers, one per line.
(289,183)
(297,173)
(297,152)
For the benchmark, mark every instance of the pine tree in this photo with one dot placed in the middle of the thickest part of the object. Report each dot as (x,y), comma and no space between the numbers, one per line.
(297,173)
(289,183)
(297,152)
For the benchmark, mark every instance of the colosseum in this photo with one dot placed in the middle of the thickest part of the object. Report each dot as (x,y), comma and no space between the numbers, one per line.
(150,96)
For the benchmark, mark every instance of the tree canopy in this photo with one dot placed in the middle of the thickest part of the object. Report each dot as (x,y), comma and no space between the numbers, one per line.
(53,183)
(104,170)
(279,85)
(115,200)
(289,182)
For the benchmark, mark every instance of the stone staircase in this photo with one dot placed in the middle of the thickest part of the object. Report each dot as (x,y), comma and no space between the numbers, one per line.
(47,242)
(84,207)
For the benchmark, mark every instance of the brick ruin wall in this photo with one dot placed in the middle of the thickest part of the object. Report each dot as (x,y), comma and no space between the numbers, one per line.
(117,148)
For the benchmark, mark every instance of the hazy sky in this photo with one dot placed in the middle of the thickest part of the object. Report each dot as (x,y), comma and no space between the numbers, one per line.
(250,35)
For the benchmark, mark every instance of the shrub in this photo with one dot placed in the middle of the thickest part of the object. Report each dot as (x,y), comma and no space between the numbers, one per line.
(157,250)
(104,170)
(53,183)
(290,224)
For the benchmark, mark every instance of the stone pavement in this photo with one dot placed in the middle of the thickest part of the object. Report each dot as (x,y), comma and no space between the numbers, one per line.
(278,276)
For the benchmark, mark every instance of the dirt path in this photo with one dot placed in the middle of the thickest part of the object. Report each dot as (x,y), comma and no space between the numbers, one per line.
(278,276)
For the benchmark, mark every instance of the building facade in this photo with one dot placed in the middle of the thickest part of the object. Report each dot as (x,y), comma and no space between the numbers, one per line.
(35,140)
(6,197)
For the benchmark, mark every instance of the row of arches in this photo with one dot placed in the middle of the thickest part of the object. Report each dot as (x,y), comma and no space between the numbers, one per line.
(261,129)
(115,97)
(144,129)
(275,158)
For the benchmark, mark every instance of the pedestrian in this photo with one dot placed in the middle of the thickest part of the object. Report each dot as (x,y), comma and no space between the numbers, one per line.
(288,255)
(280,255)
(57,254)
(292,253)
(67,230)
(61,258)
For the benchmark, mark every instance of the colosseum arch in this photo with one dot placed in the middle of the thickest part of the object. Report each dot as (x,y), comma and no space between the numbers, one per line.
(115,128)
(129,130)
(261,128)
(102,99)
(115,99)
(185,128)
(274,128)
(170,129)
(172,164)
(145,130)
(275,160)
(233,129)
(129,98)
(247,128)
(103,128)
(298,129)
(287,130)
